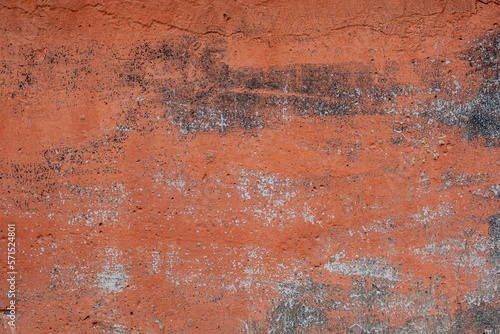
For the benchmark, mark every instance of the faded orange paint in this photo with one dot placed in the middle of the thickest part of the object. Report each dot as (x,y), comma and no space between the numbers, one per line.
(255,167)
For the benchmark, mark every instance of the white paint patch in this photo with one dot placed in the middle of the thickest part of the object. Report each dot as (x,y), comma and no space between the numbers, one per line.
(470,253)
(102,204)
(364,267)
(155,263)
(91,218)
(112,278)
(428,215)
(274,193)
(496,189)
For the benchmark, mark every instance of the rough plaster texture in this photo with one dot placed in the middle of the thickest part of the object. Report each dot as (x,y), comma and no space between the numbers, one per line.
(277,166)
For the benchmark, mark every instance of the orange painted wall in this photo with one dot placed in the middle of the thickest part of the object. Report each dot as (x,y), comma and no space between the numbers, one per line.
(251,166)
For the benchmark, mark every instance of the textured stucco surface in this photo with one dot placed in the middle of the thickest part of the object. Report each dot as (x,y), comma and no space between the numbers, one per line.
(252,166)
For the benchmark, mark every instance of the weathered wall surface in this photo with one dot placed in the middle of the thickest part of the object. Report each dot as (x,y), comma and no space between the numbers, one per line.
(252,166)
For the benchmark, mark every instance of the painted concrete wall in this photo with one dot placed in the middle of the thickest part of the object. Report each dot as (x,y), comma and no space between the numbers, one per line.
(251,166)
